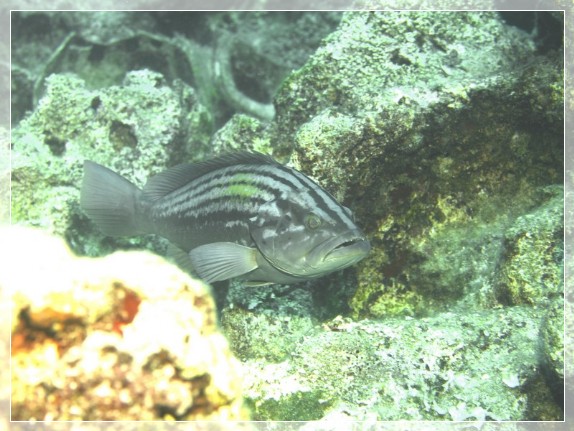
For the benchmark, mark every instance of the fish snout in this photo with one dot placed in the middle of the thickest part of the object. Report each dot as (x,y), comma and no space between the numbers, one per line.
(351,249)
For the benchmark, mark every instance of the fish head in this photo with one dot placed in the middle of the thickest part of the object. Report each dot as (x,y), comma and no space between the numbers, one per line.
(303,239)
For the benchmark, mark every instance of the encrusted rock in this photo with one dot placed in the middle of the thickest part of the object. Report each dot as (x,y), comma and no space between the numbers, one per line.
(438,130)
(125,337)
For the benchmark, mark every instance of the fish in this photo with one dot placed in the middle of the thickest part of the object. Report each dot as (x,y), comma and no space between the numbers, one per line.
(240,215)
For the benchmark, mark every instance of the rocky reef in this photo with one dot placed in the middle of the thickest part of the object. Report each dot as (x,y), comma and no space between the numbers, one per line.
(435,139)
(125,337)
(442,131)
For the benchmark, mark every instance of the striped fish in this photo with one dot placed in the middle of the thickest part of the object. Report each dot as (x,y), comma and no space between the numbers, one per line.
(241,215)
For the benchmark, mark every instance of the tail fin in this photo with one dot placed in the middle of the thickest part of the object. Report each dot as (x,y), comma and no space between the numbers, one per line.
(109,200)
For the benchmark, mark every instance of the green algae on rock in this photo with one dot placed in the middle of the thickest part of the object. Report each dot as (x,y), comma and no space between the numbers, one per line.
(436,140)
(552,348)
(126,337)
(531,271)
(139,127)
(475,366)
(242,133)
(245,330)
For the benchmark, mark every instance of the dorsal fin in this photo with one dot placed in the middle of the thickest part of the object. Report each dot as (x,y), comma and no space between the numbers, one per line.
(178,176)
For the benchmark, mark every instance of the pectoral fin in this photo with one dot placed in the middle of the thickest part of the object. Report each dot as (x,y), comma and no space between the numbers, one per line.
(222,260)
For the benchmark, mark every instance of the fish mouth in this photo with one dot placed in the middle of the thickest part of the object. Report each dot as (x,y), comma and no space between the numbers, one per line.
(349,249)
(340,252)
(331,255)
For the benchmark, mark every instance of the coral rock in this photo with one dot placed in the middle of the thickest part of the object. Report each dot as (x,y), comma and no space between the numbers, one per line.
(125,337)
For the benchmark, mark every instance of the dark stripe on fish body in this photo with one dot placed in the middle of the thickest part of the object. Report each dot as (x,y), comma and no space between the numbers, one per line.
(206,203)
(335,209)
(320,200)
(216,205)
(257,177)
(221,175)
(194,201)
(223,190)
(294,180)
(233,216)
(222,205)
(219,179)
(313,189)
(190,198)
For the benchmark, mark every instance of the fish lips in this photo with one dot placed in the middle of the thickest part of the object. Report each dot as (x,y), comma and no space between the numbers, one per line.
(343,250)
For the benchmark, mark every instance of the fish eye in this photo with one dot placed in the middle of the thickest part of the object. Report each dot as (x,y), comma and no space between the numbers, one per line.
(313,221)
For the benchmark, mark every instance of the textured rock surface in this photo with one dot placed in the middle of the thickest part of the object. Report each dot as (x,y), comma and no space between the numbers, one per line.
(443,132)
(128,128)
(126,337)
(479,366)
(569,297)
(234,60)
(532,269)
(552,347)
(435,139)
(4,176)
(450,153)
